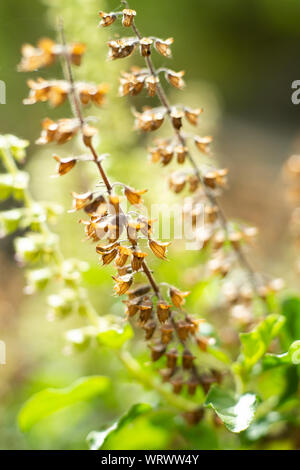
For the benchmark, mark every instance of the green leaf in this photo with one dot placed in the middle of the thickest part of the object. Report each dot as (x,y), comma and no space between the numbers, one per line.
(292,356)
(262,427)
(96,439)
(235,412)
(50,400)
(256,343)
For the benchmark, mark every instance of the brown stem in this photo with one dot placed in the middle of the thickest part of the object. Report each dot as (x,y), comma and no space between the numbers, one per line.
(100,167)
(151,279)
(76,107)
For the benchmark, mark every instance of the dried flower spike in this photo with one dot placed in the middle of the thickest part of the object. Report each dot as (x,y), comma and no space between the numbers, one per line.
(128,17)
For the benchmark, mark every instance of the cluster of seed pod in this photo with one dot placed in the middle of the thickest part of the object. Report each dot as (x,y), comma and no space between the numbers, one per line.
(47,52)
(119,238)
(204,180)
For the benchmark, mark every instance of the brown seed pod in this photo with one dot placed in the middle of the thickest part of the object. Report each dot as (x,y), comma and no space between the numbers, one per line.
(107,18)
(60,132)
(139,291)
(132,231)
(108,257)
(34,58)
(211,214)
(178,297)
(145,46)
(150,120)
(206,382)
(98,207)
(203,143)
(235,239)
(80,200)
(151,83)
(145,309)
(145,226)
(194,183)
(175,79)
(90,93)
(64,164)
(88,133)
(172,357)
(166,374)
(76,51)
(183,329)
(167,154)
(128,17)
(192,385)
(123,254)
(149,329)
(134,196)
(131,84)
(177,384)
(176,116)
(192,115)
(193,324)
(159,248)
(187,359)
(181,153)
(157,351)
(54,91)
(177,181)
(121,48)
(132,307)
(137,260)
(123,283)
(194,417)
(166,333)
(202,343)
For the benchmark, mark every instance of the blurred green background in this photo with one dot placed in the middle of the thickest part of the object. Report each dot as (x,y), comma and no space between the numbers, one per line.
(240,58)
